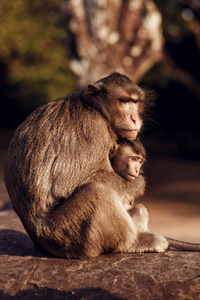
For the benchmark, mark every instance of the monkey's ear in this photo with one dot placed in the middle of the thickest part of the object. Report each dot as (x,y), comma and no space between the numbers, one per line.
(113,151)
(94,88)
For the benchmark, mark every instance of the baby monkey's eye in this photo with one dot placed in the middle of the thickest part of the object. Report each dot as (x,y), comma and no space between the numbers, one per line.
(134,158)
(137,159)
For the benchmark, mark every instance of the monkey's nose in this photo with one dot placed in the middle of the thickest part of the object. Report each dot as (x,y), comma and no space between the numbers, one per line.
(133,120)
(137,169)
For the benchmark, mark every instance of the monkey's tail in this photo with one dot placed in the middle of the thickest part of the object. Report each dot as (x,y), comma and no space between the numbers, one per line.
(180,245)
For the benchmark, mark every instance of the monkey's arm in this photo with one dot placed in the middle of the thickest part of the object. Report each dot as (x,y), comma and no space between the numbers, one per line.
(133,190)
(128,191)
(180,245)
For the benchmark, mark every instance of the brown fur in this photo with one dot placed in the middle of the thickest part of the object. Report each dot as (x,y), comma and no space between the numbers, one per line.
(52,166)
(128,191)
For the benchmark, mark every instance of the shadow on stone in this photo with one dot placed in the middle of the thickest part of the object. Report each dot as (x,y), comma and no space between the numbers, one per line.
(48,294)
(16,243)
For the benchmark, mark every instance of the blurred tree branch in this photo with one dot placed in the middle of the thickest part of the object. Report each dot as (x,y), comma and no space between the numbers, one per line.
(108,35)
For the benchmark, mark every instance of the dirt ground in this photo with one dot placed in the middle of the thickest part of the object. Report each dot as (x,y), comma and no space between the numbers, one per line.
(172,197)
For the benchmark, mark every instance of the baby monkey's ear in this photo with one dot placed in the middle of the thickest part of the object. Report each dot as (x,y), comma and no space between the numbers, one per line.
(113,151)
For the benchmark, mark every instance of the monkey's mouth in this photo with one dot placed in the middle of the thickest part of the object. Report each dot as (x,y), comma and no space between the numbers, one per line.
(127,176)
(129,130)
(131,176)
(128,133)
(131,134)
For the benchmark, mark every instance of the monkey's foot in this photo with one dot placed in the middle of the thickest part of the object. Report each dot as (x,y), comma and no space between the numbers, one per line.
(150,242)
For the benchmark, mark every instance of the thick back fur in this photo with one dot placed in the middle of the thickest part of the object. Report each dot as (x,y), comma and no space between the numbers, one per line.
(53,152)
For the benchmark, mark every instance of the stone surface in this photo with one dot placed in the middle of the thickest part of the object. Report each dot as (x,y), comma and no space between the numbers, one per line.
(30,274)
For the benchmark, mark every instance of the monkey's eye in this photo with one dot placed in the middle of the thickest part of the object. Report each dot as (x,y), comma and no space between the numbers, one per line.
(124,100)
(128,99)
(137,159)
(135,101)
(134,158)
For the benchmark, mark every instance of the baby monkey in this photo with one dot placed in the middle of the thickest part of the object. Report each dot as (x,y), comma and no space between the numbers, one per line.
(127,159)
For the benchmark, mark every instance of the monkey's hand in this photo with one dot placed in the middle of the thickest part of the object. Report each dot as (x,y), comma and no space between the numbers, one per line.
(140,217)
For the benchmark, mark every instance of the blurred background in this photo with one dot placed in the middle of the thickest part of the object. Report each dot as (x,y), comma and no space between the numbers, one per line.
(52,48)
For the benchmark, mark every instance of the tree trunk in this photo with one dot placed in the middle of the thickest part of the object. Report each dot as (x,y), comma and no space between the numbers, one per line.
(113,35)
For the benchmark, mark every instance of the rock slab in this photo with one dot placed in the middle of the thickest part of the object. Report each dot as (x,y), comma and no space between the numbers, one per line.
(30,274)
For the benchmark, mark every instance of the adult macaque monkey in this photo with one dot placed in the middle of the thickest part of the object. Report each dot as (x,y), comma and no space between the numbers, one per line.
(52,167)
(127,159)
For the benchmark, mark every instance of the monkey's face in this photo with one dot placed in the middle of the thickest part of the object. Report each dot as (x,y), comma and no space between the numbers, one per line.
(126,162)
(121,101)
(126,117)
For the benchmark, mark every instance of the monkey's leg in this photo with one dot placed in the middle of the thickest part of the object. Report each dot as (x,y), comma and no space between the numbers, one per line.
(111,228)
(90,222)
(94,221)
(116,231)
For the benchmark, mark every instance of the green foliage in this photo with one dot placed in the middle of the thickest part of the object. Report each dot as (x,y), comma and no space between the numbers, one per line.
(33,53)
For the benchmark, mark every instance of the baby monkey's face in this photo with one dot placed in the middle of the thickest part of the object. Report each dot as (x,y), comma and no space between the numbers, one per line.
(126,162)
